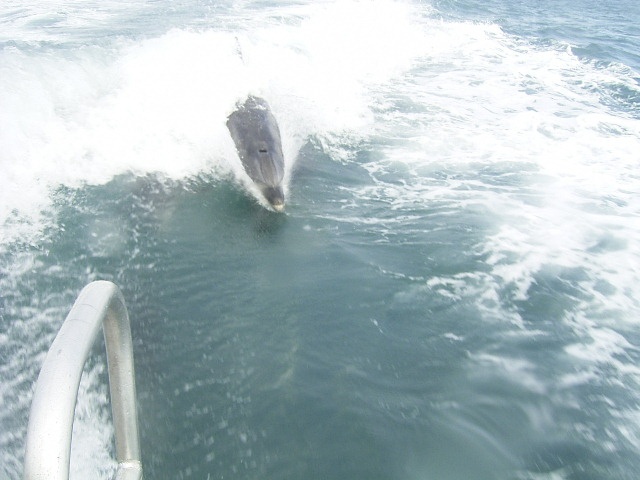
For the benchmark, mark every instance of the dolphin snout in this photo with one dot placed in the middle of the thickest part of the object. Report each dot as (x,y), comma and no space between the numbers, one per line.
(275,197)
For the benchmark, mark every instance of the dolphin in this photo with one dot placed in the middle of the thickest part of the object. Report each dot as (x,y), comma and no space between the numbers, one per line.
(257,137)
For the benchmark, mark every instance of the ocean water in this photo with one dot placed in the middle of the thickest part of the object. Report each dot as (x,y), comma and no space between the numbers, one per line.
(452,293)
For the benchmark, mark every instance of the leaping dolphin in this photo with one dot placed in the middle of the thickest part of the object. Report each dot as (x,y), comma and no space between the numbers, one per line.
(257,137)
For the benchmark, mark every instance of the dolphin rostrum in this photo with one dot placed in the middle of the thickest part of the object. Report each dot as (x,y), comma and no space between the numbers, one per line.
(257,137)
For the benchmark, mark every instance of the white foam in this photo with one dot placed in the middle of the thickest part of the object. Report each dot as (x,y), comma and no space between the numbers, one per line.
(75,115)
(518,371)
(91,447)
(84,115)
(24,343)
(78,110)
(484,98)
(488,105)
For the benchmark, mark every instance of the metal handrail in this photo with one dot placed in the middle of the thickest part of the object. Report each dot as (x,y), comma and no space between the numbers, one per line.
(48,445)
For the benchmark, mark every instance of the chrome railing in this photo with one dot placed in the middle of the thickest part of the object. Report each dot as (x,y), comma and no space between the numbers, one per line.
(48,446)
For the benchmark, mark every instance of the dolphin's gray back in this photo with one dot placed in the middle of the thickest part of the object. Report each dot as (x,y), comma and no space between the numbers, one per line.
(257,137)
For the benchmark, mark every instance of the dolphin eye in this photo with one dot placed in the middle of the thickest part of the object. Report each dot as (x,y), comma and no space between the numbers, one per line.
(263,150)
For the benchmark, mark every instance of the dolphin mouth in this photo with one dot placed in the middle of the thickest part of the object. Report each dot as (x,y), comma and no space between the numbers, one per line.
(278,207)
(275,197)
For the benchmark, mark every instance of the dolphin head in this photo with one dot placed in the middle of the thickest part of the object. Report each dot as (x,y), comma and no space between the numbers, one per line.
(255,132)
(275,197)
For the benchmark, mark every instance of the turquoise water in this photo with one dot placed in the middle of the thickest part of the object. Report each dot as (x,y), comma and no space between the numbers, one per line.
(452,292)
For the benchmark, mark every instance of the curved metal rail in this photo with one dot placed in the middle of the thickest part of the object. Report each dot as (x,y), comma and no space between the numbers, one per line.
(50,427)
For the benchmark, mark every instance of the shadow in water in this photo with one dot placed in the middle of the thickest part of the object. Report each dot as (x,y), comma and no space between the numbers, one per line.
(268,224)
